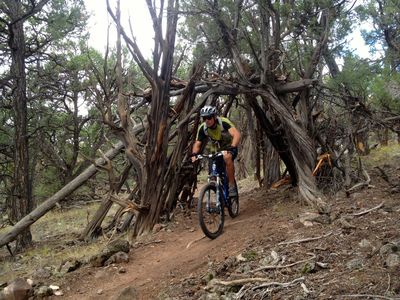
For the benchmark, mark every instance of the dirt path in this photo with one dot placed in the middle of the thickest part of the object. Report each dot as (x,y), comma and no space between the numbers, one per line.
(177,252)
(357,252)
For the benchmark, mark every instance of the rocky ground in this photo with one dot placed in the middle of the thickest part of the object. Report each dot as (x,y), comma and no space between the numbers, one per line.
(275,249)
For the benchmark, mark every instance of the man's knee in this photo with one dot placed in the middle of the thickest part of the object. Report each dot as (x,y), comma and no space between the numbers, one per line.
(228,158)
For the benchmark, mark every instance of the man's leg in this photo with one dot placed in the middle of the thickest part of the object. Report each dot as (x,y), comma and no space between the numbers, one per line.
(230,170)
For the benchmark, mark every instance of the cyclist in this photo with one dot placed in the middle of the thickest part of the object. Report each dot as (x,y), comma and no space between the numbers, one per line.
(223,136)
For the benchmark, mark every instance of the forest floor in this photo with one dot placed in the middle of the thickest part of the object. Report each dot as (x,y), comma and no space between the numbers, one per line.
(275,249)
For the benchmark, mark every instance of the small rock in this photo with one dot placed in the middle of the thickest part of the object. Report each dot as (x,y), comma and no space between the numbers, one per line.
(388,249)
(42,273)
(99,292)
(392,260)
(116,246)
(308,223)
(345,224)
(69,266)
(365,244)
(272,259)
(120,257)
(58,293)
(395,190)
(101,274)
(54,287)
(240,258)
(357,195)
(128,293)
(309,267)
(157,228)
(356,263)
(322,265)
(43,291)
(307,218)
(30,282)
(121,270)
(17,289)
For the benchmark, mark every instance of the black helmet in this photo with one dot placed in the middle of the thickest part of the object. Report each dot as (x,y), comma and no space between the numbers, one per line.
(208,111)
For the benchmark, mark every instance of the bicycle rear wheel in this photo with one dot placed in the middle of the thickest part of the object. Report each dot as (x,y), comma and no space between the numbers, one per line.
(210,211)
(233,208)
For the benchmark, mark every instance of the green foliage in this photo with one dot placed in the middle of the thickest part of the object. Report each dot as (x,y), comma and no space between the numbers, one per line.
(65,21)
(384,34)
(250,255)
(357,83)
(385,92)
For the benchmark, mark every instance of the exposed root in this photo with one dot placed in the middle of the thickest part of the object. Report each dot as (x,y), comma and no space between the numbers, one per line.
(306,239)
(284,266)
(265,282)
(365,296)
(194,241)
(364,212)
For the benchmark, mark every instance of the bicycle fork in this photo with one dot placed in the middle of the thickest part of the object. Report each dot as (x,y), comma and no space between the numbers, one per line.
(218,195)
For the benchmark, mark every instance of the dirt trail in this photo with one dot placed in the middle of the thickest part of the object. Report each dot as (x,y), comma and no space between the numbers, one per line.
(172,254)
(356,251)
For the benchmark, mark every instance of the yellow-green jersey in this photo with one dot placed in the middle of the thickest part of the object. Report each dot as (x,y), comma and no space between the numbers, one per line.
(217,138)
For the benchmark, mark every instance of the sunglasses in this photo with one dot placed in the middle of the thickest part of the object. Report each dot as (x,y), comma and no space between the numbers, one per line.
(207,118)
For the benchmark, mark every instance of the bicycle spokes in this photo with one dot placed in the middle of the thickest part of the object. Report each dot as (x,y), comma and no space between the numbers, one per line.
(211,215)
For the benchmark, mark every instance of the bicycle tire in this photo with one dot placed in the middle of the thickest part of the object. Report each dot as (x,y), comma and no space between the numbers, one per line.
(233,207)
(213,215)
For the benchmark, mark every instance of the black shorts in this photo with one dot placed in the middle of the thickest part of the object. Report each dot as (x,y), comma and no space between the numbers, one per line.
(234,153)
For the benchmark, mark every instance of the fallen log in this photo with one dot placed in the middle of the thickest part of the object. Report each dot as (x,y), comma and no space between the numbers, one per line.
(47,205)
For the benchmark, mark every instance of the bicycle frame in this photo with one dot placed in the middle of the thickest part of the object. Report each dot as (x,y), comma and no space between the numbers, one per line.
(218,174)
(214,197)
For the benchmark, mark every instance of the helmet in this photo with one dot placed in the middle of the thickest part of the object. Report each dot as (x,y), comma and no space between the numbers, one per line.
(208,111)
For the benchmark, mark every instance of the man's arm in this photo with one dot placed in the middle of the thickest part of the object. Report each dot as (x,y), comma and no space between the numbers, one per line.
(196,147)
(235,136)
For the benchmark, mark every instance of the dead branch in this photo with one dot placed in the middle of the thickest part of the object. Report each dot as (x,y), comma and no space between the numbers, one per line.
(368,210)
(280,284)
(128,205)
(360,184)
(306,239)
(364,296)
(265,281)
(194,241)
(284,266)
(140,244)
(383,174)
(305,289)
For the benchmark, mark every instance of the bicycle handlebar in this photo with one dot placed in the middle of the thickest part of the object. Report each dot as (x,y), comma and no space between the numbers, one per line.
(212,155)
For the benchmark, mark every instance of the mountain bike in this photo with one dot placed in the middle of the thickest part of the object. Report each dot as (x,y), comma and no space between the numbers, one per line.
(214,197)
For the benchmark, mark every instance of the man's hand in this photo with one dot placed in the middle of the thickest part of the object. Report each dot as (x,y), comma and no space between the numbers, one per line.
(193,157)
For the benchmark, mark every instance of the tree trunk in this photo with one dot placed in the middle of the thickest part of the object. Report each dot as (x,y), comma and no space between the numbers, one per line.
(271,164)
(257,171)
(383,136)
(21,203)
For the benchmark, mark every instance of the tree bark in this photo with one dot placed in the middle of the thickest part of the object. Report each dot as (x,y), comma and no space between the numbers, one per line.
(154,169)
(271,164)
(21,203)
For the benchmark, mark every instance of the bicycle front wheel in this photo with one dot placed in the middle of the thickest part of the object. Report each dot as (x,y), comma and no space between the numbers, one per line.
(233,207)
(210,211)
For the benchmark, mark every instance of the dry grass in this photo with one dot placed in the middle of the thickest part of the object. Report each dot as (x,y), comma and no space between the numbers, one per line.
(55,240)
(383,155)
